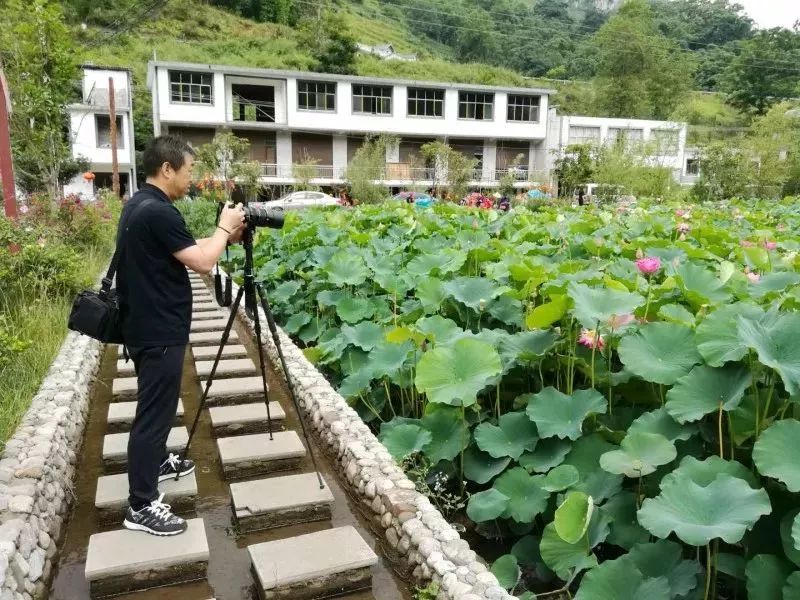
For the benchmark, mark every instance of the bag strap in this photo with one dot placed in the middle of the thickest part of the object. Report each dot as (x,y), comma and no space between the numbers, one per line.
(105,286)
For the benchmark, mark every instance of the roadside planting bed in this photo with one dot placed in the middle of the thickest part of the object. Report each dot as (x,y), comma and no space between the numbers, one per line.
(604,394)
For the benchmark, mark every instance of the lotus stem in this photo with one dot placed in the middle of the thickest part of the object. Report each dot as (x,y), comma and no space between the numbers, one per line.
(708,571)
(730,435)
(719,431)
(769,398)
(610,379)
(389,396)
(647,304)
(497,401)
(461,452)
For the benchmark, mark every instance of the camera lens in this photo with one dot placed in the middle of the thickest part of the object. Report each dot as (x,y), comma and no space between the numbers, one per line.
(263,217)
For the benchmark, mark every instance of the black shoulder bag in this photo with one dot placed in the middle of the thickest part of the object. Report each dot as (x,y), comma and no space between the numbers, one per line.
(96,314)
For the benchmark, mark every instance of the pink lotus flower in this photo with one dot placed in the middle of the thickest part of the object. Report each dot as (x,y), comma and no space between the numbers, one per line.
(684,228)
(24,209)
(753,277)
(620,321)
(770,245)
(680,212)
(648,265)
(746,244)
(591,339)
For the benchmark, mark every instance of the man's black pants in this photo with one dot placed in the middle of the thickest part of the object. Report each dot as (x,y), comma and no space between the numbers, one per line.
(159,370)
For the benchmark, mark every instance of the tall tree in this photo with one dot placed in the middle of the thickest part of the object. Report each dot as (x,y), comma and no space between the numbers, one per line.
(766,71)
(42,71)
(330,41)
(640,73)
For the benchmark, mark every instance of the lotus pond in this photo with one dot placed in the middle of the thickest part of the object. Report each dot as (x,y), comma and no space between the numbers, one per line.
(608,394)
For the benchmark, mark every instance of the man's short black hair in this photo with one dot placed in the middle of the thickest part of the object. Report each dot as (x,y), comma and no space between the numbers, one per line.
(164,149)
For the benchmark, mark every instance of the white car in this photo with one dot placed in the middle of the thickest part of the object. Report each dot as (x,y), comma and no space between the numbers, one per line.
(300,200)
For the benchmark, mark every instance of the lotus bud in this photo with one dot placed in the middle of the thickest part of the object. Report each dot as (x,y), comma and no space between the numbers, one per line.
(482,304)
(639,253)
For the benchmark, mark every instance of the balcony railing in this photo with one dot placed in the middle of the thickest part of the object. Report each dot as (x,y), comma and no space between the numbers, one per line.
(99,97)
(393,173)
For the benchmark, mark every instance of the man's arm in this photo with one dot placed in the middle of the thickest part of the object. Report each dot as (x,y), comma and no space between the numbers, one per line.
(202,256)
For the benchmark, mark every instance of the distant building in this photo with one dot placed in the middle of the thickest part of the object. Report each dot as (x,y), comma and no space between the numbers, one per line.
(663,141)
(292,117)
(386,52)
(90,130)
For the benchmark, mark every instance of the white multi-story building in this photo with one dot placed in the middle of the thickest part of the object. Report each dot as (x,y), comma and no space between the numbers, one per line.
(664,142)
(300,117)
(90,130)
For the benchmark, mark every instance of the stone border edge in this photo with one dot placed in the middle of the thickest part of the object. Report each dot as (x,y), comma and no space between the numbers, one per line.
(429,547)
(37,470)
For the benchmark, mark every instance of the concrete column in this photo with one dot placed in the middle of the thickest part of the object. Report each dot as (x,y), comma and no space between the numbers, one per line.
(489,160)
(393,152)
(339,156)
(283,153)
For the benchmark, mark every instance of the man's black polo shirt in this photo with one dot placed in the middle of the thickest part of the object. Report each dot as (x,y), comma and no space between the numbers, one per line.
(153,286)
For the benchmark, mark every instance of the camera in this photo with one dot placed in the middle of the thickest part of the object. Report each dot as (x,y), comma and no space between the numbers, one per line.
(259,216)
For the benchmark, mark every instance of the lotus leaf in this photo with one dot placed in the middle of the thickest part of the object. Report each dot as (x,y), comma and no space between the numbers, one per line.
(639,455)
(449,432)
(700,285)
(430,293)
(791,589)
(526,550)
(526,496)
(777,345)
(704,389)
(659,421)
(546,314)
(665,559)
(725,508)
(346,268)
(456,374)
(438,329)
(296,322)
(405,439)
(549,453)
(787,542)
(487,505)
(561,478)
(598,305)
(480,467)
(562,557)
(620,580)
(283,292)
(766,575)
(506,570)
(516,434)
(559,415)
(703,472)
(353,310)
(660,352)
(717,337)
(527,346)
(573,517)
(676,313)
(366,335)
(625,529)
(386,358)
(776,454)
(473,291)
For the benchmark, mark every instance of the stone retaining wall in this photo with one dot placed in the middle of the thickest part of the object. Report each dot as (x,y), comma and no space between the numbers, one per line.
(419,536)
(37,470)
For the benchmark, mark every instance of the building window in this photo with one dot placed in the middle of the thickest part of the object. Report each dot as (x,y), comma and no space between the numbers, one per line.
(478,106)
(523,108)
(667,141)
(316,95)
(190,87)
(693,166)
(630,137)
(424,102)
(583,135)
(372,99)
(103,128)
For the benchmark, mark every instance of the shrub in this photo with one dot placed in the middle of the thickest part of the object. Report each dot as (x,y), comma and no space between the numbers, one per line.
(200,216)
(49,268)
(10,343)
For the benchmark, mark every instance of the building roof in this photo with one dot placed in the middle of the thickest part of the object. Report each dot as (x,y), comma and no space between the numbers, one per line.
(94,67)
(276,73)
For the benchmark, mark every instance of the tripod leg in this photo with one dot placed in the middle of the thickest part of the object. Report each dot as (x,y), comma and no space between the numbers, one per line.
(276,340)
(257,327)
(225,334)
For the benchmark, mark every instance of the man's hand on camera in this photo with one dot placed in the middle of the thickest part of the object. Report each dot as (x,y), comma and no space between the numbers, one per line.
(231,218)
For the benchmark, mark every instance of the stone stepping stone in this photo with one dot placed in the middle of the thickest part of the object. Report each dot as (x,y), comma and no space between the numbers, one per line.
(124,561)
(238,390)
(249,455)
(280,501)
(210,325)
(210,338)
(210,352)
(242,419)
(111,497)
(204,307)
(226,368)
(115,448)
(124,388)
(121,414)
(315,565)
(209,315)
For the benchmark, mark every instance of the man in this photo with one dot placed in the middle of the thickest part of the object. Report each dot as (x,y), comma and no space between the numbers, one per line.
(156,310)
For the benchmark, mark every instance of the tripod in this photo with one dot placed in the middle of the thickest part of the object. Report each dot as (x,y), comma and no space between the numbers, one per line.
(252,291)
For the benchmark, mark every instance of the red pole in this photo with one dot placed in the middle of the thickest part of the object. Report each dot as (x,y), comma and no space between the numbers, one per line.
(6,164)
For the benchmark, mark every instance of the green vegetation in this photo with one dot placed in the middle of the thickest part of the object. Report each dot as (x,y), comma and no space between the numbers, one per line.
(55,250)
(607,394)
